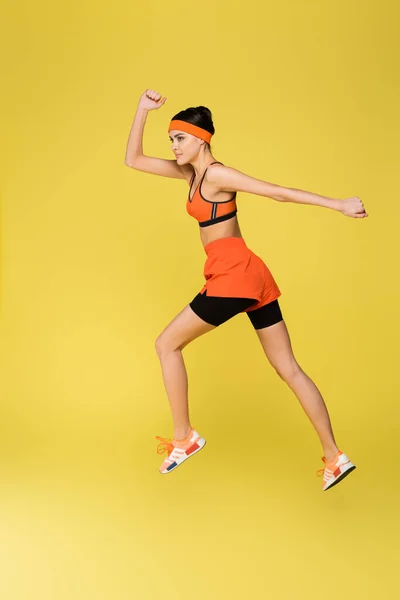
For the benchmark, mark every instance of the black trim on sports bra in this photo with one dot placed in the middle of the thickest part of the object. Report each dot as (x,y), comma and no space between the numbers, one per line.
(218,219)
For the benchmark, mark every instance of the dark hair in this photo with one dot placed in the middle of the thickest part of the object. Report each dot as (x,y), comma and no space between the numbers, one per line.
(197,115)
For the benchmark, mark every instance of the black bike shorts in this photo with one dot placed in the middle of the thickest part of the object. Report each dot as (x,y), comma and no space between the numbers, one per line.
(215,310)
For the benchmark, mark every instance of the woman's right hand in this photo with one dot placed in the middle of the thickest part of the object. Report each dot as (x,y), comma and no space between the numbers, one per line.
(150,100)
(353,207)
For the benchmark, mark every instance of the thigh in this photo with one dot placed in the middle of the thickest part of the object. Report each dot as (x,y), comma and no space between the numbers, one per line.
(277,347)
(217,309)
(184,328)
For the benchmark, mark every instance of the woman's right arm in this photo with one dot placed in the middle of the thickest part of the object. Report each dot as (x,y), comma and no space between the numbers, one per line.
(134,156)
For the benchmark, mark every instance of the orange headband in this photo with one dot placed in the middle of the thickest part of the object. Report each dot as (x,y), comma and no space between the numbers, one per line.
(189,128)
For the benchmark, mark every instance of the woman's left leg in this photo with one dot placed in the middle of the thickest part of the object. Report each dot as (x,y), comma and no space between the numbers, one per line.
(203,314)
(275,341)
(184,328)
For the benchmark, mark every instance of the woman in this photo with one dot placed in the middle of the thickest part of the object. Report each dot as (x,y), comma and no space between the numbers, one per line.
(237,280)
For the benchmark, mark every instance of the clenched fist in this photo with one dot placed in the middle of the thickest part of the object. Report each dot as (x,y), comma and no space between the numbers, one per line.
(353,207)
(150,99)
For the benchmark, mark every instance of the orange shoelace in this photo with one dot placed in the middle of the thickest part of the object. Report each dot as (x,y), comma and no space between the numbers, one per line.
(331,463)
(166,445)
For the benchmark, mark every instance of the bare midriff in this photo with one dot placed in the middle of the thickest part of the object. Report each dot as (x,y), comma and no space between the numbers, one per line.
(229,228)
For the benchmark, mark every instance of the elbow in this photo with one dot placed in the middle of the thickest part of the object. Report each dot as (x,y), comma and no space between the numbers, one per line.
(133,162)
(280,194)
(273,191)
(130,163)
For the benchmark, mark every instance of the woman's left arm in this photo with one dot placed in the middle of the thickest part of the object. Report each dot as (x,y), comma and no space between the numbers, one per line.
(232,180)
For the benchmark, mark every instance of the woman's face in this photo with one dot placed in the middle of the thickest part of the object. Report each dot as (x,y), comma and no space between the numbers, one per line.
(184,145)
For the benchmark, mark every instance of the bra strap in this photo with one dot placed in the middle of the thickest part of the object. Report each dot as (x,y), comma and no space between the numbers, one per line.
(216,162)
(202,177)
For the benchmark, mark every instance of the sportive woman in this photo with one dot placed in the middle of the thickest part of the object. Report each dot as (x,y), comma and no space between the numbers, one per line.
(236,279)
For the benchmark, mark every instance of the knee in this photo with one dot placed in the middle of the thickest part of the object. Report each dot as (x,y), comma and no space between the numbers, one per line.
(160,345)
(163,345)
(288,370)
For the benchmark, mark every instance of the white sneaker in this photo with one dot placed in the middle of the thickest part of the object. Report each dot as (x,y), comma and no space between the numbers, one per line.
(179,450)
(335,470)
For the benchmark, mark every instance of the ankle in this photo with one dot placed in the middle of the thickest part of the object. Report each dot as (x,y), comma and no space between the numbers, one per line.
(181,434)
(331,453)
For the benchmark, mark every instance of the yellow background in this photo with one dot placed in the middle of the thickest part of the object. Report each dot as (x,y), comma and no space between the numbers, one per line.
(97,258)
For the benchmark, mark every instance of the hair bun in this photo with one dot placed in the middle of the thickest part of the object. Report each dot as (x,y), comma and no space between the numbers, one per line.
(205,111)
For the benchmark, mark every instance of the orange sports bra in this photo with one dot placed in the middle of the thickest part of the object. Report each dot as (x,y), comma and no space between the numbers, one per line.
(207,212)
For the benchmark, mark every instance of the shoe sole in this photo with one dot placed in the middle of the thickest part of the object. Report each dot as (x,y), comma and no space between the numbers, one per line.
(202,442)
(340,478)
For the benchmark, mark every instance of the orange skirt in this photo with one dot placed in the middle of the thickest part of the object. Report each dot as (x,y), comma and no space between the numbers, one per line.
(232,270)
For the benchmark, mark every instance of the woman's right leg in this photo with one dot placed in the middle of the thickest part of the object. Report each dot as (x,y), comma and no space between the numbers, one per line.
(275,340)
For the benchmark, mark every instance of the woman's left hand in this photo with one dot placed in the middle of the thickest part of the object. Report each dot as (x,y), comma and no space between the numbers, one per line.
(353,207)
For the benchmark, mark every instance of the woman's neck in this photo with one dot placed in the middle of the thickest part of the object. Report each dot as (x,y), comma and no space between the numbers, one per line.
(202,163)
